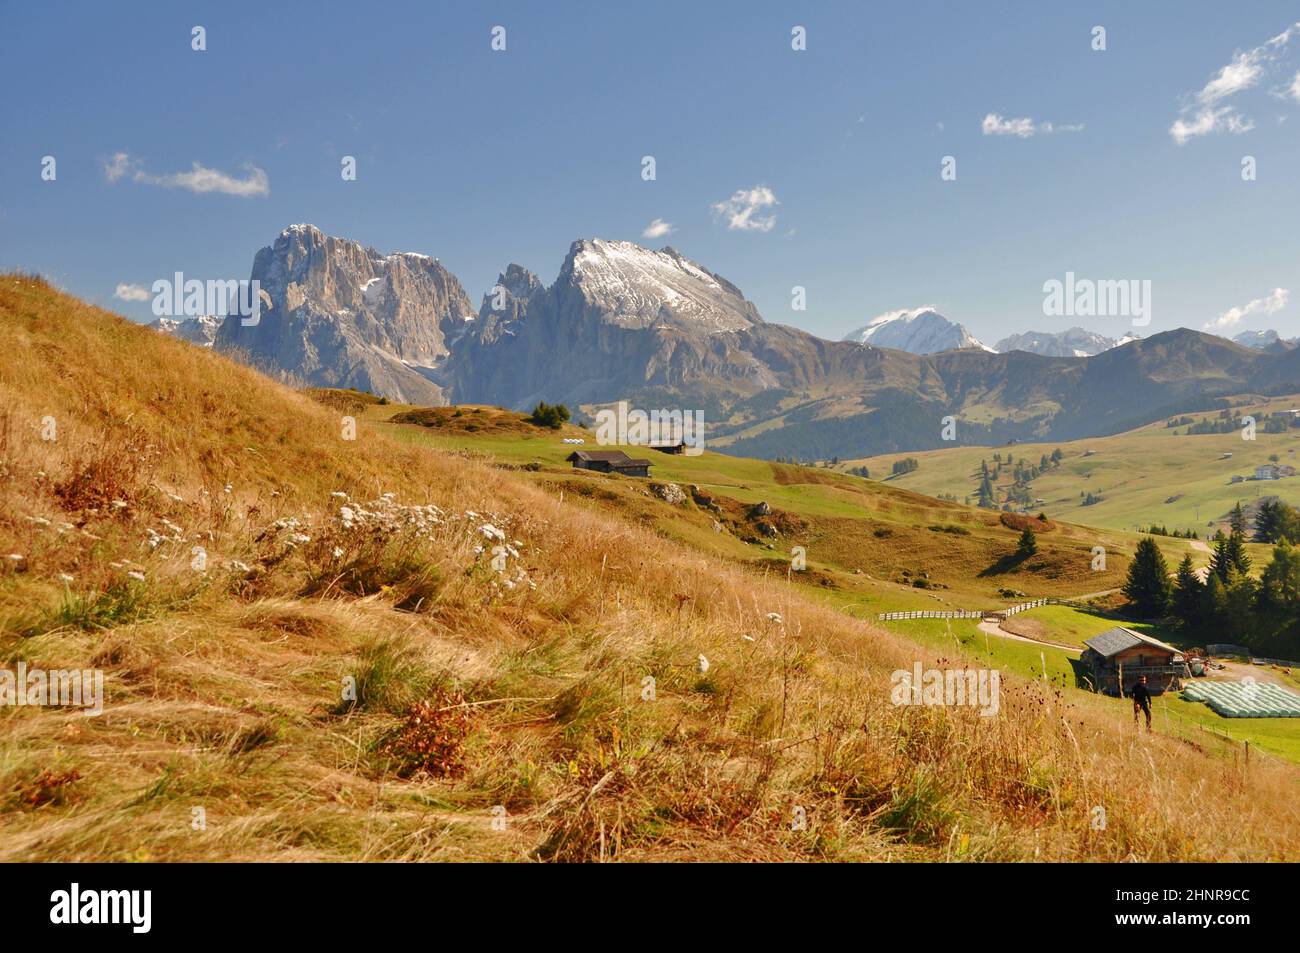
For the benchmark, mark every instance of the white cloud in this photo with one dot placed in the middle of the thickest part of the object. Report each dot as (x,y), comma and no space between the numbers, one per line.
(201,179)
(198,179)
(1207,120)
(1294,89)
(126,292)
(1274,302)
(1209,110)
(657,229)
(1241,74)
(116,166)
(744,211)
(995,125)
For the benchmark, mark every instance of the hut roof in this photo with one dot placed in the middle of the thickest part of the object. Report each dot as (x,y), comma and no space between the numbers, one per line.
(1116,640)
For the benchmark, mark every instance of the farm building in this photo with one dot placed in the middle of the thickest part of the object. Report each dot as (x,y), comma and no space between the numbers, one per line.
(1118,657)
(677,448)
(609,461)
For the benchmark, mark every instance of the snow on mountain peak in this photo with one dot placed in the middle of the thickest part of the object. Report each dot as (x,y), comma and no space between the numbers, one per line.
(201,330)
(920,330)
(638,287)
(1072,342)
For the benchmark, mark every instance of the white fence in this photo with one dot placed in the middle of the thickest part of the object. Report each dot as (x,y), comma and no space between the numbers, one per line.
(960,613)
(1023,606)
(932,614)
(1279,662)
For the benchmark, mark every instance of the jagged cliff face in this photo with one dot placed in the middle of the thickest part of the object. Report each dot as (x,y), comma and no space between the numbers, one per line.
(619,317)
(336,314)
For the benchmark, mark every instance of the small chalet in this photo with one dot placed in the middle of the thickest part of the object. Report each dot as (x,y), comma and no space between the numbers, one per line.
(609,461)
(1118,657)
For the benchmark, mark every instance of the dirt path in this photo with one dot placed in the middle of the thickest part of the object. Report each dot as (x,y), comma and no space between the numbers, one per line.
(1204,571)
(993,628)
(1093,595)
(1236,671)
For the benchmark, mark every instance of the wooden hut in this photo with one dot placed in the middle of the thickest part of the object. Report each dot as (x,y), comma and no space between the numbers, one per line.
(609,461)
(1118,657)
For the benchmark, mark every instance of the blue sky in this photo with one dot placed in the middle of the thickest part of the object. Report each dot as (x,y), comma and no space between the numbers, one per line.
(482,157)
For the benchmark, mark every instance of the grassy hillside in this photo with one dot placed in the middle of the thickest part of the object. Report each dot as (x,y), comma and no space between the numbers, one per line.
(1155,473)
(883,547)
(952,542)
(395,650)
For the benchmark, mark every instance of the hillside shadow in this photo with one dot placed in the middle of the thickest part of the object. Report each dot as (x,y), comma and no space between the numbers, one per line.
(1006,564)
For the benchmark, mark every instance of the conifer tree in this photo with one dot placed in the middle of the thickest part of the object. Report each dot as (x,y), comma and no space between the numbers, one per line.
(1188,593)
(1147,586)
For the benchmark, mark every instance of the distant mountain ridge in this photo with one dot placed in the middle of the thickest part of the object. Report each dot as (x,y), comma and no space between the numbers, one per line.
(1269,341)
(1073,342)
(201,330)
(661,330)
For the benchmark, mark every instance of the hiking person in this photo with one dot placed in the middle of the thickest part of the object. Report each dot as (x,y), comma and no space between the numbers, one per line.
(1141,696)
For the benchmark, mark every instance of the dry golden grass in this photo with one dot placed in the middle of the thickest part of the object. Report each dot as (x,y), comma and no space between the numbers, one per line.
(524,687)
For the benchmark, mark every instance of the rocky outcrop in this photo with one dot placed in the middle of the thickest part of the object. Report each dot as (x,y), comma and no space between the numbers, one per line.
(669,492)
(336,314)
(619,318)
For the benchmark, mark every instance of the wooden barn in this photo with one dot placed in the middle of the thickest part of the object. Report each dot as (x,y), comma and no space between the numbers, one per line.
(609,461)
(677,448)
(1118,657)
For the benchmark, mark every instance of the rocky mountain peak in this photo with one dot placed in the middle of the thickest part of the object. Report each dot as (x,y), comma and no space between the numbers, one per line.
(636,287)
(920,330)
(1072,342)
(342,315)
